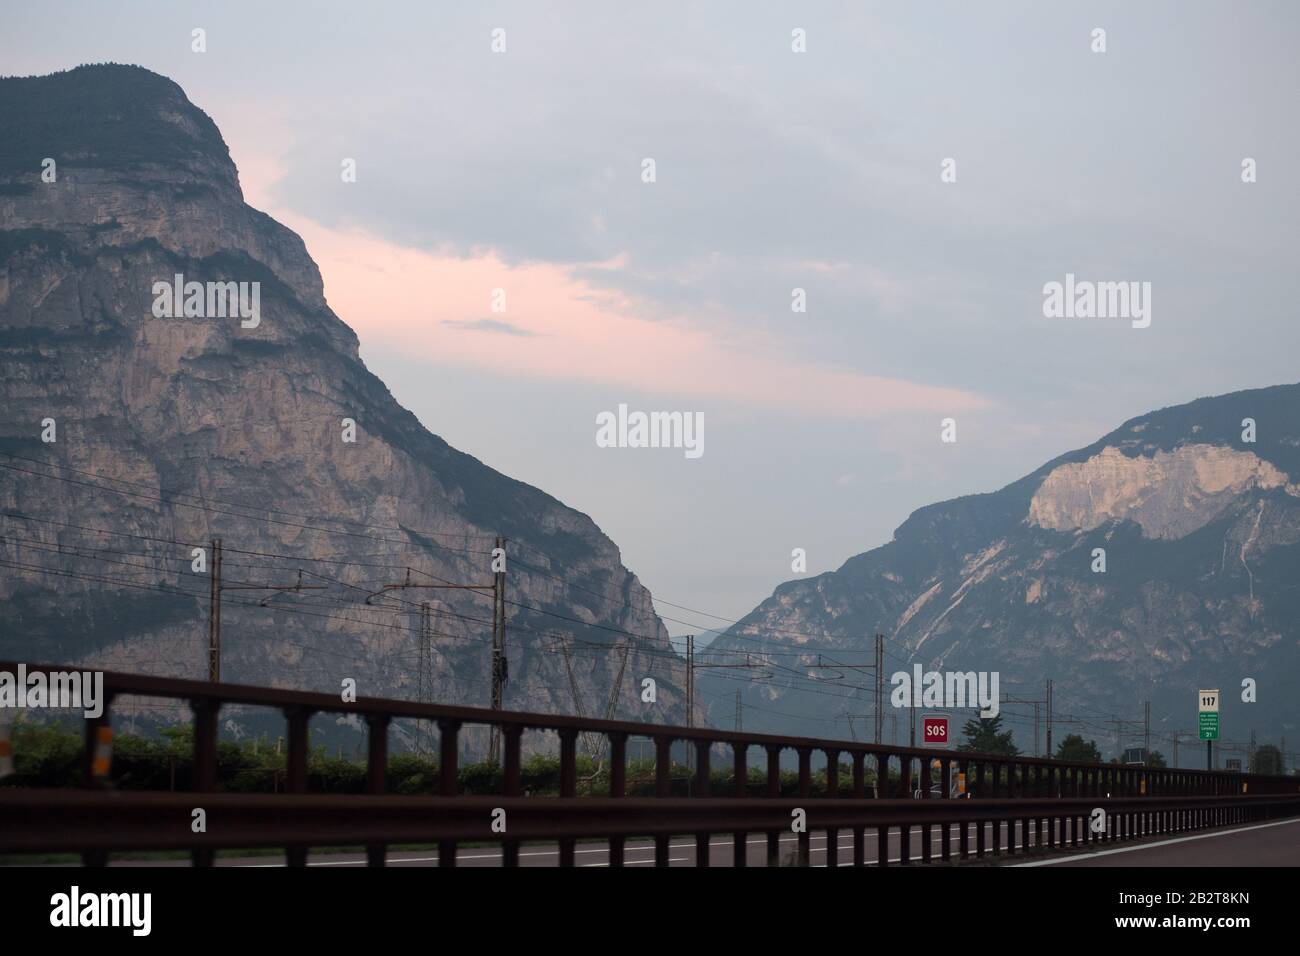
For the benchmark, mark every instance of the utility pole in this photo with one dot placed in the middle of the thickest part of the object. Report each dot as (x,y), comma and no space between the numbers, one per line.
(1175,763)
(424,678)
(500,673)
(1049,717)
(692,667)
(880,686)
(690,680)
(214,612)
(1146,733)
(1008,698)
(577,697)
(739,725)
(596,744)
(690,705)
(217,586)
(498,664)
(1036,739)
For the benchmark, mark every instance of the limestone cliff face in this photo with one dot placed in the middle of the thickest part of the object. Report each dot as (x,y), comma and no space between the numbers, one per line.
(1169,494)
(1201,533)
(175,430)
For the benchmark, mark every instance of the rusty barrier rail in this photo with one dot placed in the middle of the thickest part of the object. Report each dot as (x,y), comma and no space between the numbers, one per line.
(1050,793)
(81,821)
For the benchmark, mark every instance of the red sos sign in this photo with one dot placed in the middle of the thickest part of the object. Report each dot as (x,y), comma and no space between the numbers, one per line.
(934,731)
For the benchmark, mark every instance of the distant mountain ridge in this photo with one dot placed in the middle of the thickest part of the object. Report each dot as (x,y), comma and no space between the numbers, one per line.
(1201,533)
(212,413)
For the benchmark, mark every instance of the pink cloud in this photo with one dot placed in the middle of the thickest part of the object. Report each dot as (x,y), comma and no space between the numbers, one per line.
(426,305)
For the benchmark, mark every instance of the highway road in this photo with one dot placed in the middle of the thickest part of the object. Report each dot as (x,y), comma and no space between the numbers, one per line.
(1260,844)
(1269,844)
(636,853)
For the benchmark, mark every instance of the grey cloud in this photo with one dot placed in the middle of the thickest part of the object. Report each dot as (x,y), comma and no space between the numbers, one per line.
(488,325)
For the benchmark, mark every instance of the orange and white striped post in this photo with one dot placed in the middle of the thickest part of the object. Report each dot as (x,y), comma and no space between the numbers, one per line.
(6,749)
(102,760)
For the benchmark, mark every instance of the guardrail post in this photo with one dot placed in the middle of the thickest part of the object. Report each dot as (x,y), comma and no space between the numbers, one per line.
(1011,795)
(512,785)
(1125,790)
(568,785)
(617,787)
(997,824)
(1050,772)
(296,775)
(663,788)
(376,775)
(1038,793)
(964,839)
(859,793)
(945,790)
(205,745)
(448,772)
(96,769)
(702,768)
(1026,786)
(882,791)
(774,790)
(832,792)
(979,824)
(1121,817)
(740,771)
(804,841)
(205,761)
(925,774)
(905,793)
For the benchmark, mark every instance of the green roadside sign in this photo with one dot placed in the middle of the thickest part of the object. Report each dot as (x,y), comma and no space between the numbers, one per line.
(1209,726)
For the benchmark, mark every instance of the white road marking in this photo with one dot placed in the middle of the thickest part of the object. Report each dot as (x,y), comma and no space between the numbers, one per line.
(846,845)
(1148,846)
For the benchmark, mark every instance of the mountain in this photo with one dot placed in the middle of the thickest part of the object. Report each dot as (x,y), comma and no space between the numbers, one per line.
(1201,588)
(170,431)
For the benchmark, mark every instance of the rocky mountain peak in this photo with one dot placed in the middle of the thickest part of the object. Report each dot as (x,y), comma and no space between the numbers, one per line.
(117,119)
(175,427)
(1157,560)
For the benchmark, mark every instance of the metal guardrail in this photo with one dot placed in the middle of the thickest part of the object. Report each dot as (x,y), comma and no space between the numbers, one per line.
(1039,793)
(51,821)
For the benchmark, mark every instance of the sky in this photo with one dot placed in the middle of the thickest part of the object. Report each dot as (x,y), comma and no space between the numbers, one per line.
(824,170)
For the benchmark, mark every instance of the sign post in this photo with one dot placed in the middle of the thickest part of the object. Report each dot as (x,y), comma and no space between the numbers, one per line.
(1207,702)
(934,730)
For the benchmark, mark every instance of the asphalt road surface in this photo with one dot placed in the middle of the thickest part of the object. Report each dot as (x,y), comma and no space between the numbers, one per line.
(636,852)
(1260,844)
(1268,844)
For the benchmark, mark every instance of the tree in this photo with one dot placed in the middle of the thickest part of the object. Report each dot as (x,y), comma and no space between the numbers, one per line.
(1267,759)
(1075,749)
(986,736)
(1156,759)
